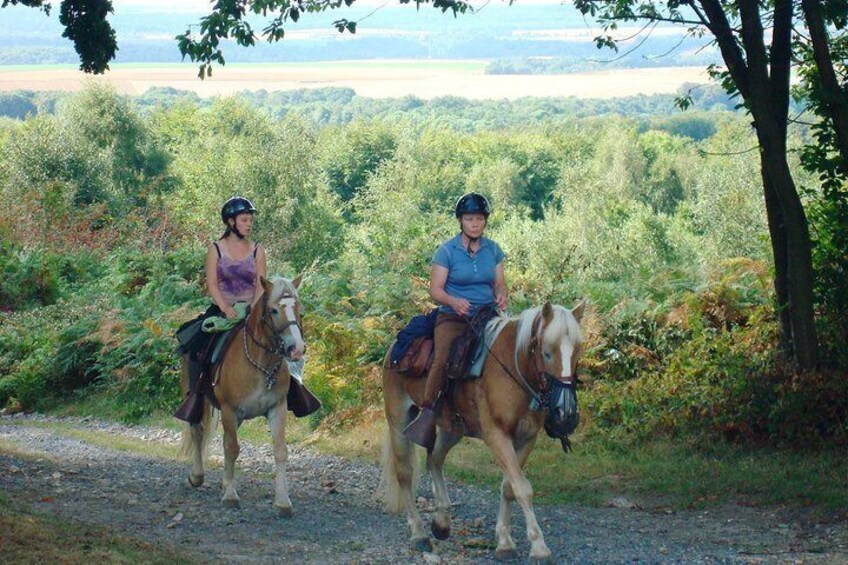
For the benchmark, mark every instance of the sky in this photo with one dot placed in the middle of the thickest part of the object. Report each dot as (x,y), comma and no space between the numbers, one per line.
(203,6)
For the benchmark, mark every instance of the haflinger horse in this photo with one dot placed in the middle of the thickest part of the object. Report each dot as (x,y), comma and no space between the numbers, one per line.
(252,379)
(527,382)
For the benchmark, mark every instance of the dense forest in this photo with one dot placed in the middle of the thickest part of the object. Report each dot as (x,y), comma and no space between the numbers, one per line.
(654,215)
(338,106)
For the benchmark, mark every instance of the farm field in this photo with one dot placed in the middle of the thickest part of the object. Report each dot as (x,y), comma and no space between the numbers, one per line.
(373,79)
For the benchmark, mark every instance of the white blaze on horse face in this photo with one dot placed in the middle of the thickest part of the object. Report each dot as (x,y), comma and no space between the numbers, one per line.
(288,304)
(566,338)
(566,352)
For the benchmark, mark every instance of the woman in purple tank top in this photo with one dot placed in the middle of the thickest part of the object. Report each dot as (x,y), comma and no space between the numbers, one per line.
(234,263)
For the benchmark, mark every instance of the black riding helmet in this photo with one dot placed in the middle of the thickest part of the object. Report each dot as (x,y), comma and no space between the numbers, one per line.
(472,203)
(235,206)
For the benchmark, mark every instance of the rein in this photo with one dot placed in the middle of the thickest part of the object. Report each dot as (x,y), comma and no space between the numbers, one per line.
(537,403)
(277,349)
(538,399)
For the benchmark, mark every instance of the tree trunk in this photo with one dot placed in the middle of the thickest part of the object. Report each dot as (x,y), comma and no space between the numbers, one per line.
(761,75)
(777,231)
(798,257)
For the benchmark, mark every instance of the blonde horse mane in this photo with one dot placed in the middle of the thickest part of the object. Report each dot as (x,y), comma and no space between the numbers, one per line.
(563,320)
(281,286)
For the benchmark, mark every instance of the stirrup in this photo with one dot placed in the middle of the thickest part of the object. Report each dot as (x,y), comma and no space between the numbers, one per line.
(422,430)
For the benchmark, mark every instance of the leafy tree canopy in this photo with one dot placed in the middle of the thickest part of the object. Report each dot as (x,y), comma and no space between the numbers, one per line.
(86,25)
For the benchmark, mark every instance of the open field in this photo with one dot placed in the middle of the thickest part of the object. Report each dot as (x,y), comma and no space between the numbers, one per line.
(373,79)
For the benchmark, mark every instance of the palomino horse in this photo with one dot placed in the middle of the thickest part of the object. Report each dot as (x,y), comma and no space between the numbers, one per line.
(533,359)
(252,380)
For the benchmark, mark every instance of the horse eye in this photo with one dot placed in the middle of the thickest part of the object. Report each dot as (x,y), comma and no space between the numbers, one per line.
(547,355)
(275,311)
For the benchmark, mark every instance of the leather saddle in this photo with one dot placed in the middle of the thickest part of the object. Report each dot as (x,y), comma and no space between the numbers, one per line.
(300,399)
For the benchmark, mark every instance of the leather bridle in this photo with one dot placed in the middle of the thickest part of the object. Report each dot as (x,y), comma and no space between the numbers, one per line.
(278,347)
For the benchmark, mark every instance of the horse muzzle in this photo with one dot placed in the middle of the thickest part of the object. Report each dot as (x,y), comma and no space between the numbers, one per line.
(561,415)
(292,345)
(293,353)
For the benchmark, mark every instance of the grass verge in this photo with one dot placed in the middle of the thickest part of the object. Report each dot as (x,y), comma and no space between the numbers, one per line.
(29,537)
(660,473)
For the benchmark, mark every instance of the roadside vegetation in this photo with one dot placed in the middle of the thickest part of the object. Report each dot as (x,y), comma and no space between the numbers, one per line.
(657,219)
(32,537)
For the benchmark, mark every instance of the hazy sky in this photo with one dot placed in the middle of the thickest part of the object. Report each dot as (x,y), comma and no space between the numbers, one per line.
(192,6)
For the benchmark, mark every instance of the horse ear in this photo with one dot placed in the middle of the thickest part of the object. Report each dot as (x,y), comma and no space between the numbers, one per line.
(548,311)
(579,310)
(266,284)
(297,280)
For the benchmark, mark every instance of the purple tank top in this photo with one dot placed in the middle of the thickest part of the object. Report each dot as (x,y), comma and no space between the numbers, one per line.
(236,279)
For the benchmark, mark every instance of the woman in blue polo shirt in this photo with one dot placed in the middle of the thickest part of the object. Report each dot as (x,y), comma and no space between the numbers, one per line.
(466,274)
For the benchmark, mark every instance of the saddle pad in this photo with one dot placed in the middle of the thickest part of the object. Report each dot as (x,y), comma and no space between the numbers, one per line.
(491,333)
(222,340)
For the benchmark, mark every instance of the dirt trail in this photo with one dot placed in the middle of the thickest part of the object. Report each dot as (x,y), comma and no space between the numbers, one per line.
(338,519)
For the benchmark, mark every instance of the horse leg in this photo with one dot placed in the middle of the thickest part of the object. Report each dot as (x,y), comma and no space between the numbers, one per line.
(193,444)
(506,547)
(277,422)
(195,477)
(403,451)
(231,451)
(400,473)
(435,463)
(511,463)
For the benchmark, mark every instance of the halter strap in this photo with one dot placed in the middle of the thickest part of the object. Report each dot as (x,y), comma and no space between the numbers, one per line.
(537,401)
(277,349)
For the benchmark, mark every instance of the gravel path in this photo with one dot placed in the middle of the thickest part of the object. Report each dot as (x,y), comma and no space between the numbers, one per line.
(338,520)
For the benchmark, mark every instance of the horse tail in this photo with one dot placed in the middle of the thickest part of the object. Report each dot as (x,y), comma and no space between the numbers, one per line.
(208,423)
(390,487)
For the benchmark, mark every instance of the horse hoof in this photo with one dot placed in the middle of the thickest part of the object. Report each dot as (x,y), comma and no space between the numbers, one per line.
(231,503)
(506,555)
(549,560)
(423,545)
(440,533)
(195,481)
(285,511)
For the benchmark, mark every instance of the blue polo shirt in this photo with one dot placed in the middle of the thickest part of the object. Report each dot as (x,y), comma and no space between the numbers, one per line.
(469,277)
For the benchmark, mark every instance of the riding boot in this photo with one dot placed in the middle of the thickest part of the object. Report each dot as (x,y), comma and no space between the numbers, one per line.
(300,399)
(195,368)
(191,410)
(422,430)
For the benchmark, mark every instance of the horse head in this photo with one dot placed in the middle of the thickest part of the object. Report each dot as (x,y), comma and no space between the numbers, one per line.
(281,315)
(551,337)
(556,341)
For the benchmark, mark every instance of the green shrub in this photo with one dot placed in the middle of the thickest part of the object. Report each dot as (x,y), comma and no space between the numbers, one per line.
(27,278)
(725,384)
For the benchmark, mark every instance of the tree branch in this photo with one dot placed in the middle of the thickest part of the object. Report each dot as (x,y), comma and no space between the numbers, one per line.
(730,50)
(833,94)
(781,59)
(752,40)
